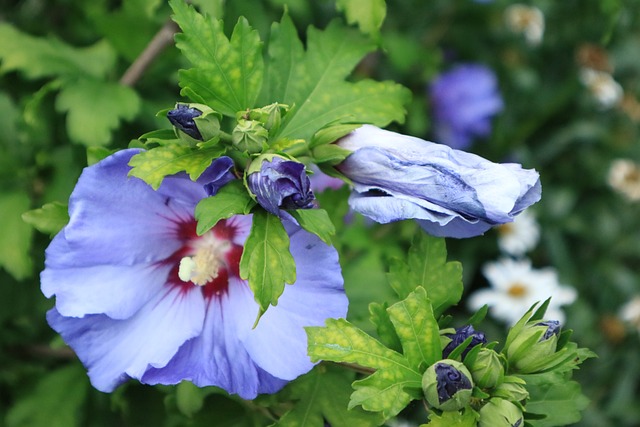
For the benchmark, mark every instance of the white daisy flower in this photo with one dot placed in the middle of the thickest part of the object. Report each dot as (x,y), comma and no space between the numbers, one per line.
(520,236)
(602,86)
(630,313)
(516,286)
(527,20)
(624,177)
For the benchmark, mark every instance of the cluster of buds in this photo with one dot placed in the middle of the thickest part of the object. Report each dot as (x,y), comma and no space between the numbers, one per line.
(472,376)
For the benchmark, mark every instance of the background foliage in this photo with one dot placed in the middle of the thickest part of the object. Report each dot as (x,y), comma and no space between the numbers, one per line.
(66,101)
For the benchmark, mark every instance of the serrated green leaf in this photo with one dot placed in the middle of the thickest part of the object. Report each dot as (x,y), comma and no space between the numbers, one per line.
(384,327)
(417,329)
(38,57)
(313,81)
(552,395)
(153,165)
(466,418)
(315,221)
(227,74)
(94,108)
(50,218)
(231,199)
(388,392)
(266,261)
(428,267)
(368,14)
(322,396)
(16,235)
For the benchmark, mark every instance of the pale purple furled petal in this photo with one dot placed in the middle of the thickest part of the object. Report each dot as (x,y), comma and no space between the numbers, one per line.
(451,193)
(464,100)
(125,309)
(217,175)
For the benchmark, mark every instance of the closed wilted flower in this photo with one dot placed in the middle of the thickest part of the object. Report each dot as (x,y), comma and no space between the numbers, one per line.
(624,176)
(447,385)
(140,295)
(516,286)
(487,370)
(451,193)
(500,413)
(279,183)
(464,101)
(523,355)
(458,338)
(527,20)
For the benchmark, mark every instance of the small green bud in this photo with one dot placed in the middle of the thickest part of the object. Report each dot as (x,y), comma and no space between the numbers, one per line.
(447,385)
(500,413)
(512,388)
(250,136)
(270,116)
(537,341)
(487,369)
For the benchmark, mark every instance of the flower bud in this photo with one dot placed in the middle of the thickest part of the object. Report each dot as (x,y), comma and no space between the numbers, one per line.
(278,183)
(500,413)
(250,136)
(205,127)
(512,388)
(458,338)
(487,369)
(447,385)
(270,116)
(535,342)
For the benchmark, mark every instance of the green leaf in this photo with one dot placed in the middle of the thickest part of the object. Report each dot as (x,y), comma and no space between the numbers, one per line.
(50,218)
(417,329)
(56,400)
(48,57)
(385,390)
(315,221)
(266,261)
(466,418)
(94,108)
(368,14)
(153,165)
(384,327)
(428,267)
(15,243)
(227,74)
(232,199)
(313,81)
(554,396)
(323,395)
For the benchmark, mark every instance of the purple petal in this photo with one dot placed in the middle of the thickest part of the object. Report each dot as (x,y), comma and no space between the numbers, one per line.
(115,350)
(217,175)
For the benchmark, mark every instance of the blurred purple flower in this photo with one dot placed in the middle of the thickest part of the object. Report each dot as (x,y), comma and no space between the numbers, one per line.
(464,100)
(140,295)
(320,181)
(281,184)
(451,193)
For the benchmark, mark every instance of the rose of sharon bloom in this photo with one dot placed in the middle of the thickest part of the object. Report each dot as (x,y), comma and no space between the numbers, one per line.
(140,295)
(451,193)
(516,286)
(464,100)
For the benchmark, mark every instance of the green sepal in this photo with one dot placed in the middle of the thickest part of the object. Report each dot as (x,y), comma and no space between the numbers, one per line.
(330,154)
(231,199)
(331,134)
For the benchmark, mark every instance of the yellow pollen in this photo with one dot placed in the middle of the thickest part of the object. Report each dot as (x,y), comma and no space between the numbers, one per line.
(203,266)
(517,290)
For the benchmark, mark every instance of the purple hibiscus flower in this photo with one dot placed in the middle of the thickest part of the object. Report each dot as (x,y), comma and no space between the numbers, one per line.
(140,295)
(451,193)
(464,100)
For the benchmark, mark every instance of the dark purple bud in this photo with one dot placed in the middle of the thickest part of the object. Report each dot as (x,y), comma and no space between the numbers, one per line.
(450,381)
(458,338)
(281,184)
(553,328)
(182,117)
(217,175)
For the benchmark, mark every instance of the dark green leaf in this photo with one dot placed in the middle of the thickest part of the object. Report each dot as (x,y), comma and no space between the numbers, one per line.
(50,218)
(232,199)
(315,221)
(16,235)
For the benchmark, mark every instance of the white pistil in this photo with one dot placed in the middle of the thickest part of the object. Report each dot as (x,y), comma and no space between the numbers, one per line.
(203,266)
